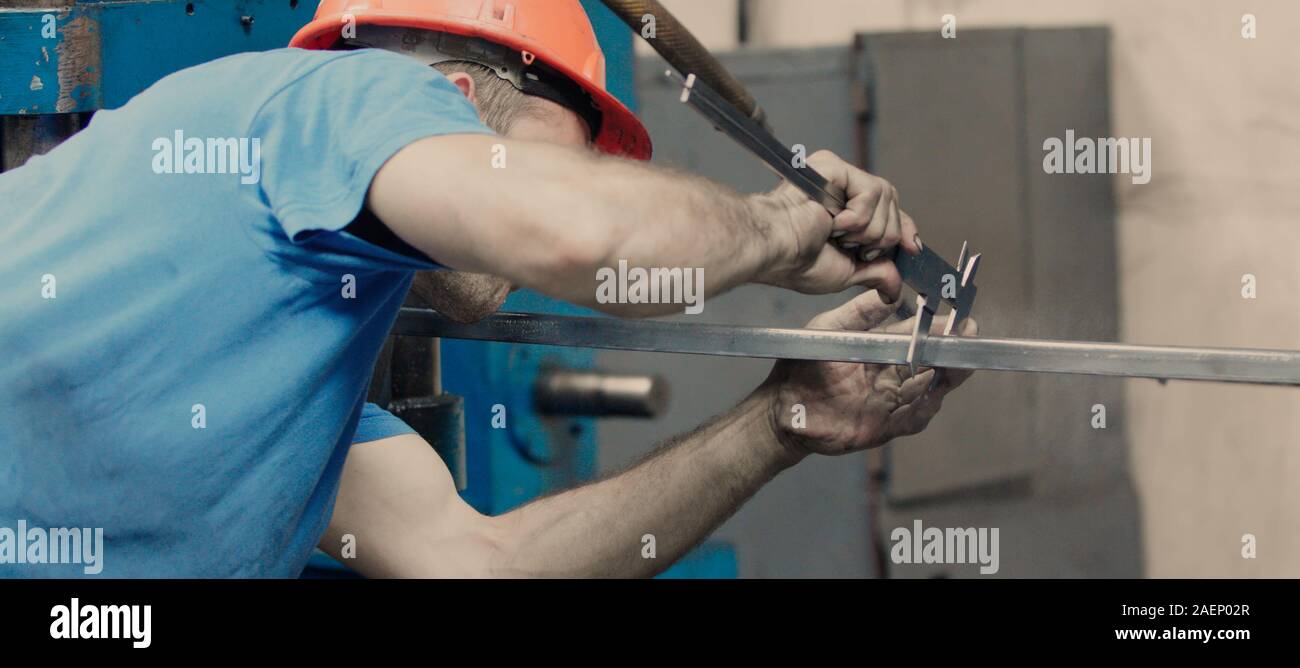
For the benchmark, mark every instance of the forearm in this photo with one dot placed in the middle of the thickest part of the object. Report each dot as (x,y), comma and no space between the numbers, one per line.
(678,496)
(552,217)
(658,218)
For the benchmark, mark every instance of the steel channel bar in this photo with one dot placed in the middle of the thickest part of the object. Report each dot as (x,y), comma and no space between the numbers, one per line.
(1273,367)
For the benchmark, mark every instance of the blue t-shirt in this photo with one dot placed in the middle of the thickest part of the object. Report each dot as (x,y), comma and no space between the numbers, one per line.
(187,330)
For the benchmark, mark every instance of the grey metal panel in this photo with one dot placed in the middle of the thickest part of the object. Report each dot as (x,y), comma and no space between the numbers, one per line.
(1082,536)
(1074,255)
(946,129)
(1072,510)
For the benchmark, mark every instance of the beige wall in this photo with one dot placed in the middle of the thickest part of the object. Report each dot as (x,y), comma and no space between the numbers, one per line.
(1211,461)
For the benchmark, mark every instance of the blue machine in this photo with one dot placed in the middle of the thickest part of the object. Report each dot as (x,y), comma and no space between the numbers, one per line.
(97,54)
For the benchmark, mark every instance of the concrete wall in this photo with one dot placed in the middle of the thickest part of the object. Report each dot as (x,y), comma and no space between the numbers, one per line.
(1212,461)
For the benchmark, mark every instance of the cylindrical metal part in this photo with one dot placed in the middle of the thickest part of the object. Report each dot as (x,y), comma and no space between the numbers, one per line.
(597,394)
(381,379)
(25,136)
(415,371)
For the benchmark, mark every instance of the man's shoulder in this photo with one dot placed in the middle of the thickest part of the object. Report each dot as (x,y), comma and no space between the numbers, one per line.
(279,68)
(288,64)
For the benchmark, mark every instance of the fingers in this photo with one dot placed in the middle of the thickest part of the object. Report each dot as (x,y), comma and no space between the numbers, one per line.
(858,314)
(913,386)
(917,388)
(880,275)
(883,230)
(850,224)
(872,221)
(913,418)
(871,225)
(918,402)
(911,239)
(951,379)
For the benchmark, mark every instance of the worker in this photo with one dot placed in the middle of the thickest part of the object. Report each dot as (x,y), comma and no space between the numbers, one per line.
(196,288)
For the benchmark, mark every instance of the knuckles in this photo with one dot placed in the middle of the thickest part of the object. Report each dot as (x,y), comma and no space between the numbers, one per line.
(824,156)
(862,184)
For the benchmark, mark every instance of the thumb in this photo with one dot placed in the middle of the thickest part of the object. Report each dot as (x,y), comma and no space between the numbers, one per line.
(858,314)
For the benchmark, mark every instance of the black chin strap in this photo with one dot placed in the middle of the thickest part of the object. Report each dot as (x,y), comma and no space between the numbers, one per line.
(528,75)
(563,91)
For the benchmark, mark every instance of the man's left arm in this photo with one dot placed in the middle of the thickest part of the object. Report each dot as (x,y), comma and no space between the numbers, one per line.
(397,498)
(398,502)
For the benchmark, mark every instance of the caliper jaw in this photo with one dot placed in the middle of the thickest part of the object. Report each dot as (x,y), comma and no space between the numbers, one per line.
(935,282)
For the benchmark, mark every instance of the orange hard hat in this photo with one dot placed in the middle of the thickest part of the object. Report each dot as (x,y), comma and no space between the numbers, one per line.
(555,32)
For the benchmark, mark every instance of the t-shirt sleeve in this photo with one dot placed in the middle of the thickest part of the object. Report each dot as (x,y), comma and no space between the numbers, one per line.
(377,423)
(325,135)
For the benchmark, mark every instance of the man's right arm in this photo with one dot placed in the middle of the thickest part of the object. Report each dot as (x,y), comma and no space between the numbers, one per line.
(552,216)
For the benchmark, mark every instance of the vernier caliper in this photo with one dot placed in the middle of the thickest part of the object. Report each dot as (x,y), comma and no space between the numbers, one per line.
(927,273)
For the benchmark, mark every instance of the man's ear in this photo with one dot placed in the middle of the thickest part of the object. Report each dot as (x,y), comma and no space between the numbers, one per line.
(466,85)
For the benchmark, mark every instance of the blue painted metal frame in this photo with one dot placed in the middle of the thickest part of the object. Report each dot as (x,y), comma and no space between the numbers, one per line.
(131,45)
(31,49)
(178,39)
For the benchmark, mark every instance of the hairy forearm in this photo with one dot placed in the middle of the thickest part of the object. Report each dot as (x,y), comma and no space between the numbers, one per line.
(677,496)
(551,217)
(661,219)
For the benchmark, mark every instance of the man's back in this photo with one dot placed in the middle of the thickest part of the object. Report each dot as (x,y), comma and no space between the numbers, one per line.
(187,330)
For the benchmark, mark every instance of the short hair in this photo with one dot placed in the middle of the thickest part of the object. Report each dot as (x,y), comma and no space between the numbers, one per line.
(500,104)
